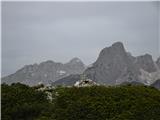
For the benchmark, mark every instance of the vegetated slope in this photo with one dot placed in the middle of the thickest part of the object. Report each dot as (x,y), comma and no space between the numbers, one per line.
(126,102)
(21,102)
(108,103)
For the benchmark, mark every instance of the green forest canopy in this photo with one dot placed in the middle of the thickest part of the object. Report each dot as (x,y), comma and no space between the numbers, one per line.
(126,102)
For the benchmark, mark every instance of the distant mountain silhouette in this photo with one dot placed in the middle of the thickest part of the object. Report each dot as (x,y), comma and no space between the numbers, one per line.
(114,66)
(46,72)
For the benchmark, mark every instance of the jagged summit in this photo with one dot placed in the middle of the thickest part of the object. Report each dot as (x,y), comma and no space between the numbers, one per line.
(46,72)
(145,56)
(118,45)
(146,63)
(114,52)
(114,65)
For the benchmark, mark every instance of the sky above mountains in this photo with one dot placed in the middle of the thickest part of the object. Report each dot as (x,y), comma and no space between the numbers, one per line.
(33,32)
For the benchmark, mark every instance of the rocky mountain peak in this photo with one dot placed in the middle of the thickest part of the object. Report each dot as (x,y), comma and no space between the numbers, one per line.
(112,64)
(115,66)
(146,62)
(77,64)
(75,60)
(146,56)
(45,72)
(116,51)
(118,46)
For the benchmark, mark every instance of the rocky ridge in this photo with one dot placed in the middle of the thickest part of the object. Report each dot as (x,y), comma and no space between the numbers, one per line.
(45,72)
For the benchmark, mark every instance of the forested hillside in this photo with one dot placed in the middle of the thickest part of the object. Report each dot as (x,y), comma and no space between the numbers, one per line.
(126,102)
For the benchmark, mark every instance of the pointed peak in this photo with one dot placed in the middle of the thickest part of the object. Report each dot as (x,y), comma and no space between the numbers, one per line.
(146,56)
(114,52)
(47,62)
(75,60)
(118,45)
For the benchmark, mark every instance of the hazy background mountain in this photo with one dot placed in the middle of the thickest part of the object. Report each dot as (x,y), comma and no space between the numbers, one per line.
(117,66)
(45,72)
(113,66)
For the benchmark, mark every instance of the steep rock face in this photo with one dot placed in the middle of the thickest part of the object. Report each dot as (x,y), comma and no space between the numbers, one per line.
(46,72)
(114,65)
(146,63)
(149,69)
(75,66)
(148,78)
(158,62)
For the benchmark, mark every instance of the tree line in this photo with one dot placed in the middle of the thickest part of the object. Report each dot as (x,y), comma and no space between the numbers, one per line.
(125,102)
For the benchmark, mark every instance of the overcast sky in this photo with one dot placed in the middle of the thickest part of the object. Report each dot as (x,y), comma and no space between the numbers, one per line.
(33,32)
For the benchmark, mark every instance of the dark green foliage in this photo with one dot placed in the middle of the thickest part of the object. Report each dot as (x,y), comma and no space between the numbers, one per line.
(108,103)
(21,102)
(126,102)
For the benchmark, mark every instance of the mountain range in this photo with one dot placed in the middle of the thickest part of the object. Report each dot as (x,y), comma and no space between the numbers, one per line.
(113,66)
(45,72)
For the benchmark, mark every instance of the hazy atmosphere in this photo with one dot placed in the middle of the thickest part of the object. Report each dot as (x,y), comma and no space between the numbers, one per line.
(33,32)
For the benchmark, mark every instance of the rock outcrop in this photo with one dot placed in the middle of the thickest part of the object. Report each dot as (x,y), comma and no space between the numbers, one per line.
(113,66)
